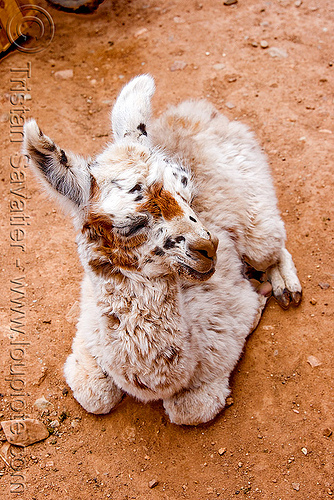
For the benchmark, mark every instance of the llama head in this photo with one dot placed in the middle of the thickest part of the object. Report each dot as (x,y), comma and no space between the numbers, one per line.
(132,203)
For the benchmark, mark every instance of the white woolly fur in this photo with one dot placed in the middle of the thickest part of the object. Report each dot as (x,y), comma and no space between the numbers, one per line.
(156,321)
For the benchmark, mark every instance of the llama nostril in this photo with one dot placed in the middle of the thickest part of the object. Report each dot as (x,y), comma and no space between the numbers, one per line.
(204,253)
(204,248)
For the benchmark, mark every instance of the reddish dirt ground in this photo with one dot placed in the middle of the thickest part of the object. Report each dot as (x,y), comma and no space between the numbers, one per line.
(274,441)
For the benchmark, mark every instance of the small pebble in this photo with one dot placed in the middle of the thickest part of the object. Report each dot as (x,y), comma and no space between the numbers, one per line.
(295,486)
(54,424)
(264,44)
(313,361)
(277,52)
(230,2)
(298,3)
(153,483)
(313,301)
(304,450)
(42,404)
(64,74)
(221,451)
(327,432)
(229,105)
(219,66)
(178,65)
(140,32)
(324,286)
(178,20)
(229,401)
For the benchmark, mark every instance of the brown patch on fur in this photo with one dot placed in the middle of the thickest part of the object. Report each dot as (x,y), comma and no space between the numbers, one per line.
(112,250)
(161,203)
(183,122)
(94,189)
(101,268)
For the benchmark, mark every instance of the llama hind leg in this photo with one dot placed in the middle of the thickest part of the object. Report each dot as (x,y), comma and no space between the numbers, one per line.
(92,388)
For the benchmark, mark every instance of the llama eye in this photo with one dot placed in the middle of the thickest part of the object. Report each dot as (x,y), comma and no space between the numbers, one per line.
(131,229)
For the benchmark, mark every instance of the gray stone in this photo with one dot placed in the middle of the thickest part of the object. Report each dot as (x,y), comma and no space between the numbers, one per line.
(277,52)
(64,74)
(219,66)
(178,65)
(42,404)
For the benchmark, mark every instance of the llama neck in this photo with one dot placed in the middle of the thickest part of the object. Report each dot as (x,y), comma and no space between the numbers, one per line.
(155,299)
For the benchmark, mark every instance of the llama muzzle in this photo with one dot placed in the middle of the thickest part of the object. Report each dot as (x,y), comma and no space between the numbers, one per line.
(202,252)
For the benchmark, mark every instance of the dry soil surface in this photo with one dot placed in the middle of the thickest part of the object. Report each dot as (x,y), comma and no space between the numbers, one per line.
(270,65)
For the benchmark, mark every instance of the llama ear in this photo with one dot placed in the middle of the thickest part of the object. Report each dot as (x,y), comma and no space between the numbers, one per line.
(65,175)
(132,109)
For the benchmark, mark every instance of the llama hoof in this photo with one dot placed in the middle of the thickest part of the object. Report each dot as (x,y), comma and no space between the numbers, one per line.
(94,391)
(195,406)
(283,299)
(286,286)
(296,298)
(287,298)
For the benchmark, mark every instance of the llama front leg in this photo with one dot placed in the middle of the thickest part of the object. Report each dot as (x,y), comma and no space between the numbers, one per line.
(283,277)
(220,350)
(197,404)
(92,388)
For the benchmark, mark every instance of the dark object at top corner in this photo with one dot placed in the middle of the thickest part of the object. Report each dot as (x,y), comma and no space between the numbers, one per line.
(76,6)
